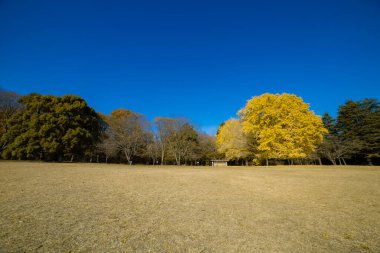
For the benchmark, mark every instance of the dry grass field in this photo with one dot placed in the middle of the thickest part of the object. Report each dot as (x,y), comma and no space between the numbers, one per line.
(51,207)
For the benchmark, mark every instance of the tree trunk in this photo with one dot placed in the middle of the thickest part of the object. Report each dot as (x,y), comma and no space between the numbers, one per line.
(267,162)
(340,162)
(97,158)
(106,159)
(369,161)
(128,157)
(331,159)
(162,156)
(72,158)
(344,161)
(320,161)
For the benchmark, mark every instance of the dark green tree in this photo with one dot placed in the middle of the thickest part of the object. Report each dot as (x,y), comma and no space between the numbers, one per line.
(359,123)
(52,128)
(8,106)
(188,144)
(330,124)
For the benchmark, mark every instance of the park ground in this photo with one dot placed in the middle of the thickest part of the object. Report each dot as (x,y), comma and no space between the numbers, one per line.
(56,207)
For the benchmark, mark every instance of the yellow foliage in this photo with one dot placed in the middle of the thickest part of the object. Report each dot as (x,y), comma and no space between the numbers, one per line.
(231,141)
(284,126)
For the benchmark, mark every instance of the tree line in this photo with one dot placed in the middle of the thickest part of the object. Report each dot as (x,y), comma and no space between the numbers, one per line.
(270,129)
(53,128)
(281,129)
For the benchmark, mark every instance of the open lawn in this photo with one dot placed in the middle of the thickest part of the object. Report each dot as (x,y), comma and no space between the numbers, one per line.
(52,207)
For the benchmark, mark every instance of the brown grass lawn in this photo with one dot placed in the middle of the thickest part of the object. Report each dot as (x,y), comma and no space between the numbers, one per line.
(50,207)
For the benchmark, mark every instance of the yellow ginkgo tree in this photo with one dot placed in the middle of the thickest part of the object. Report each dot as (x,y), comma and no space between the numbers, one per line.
(232,142)
(284,126)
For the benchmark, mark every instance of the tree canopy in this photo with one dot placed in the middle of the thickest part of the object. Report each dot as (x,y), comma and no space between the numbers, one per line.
(359,123)
(9,104)
(129,131)
(52,128)
(283,125)
(232,142)
(271,126)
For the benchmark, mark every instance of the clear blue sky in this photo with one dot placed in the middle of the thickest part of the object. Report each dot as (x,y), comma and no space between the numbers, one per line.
(197,59)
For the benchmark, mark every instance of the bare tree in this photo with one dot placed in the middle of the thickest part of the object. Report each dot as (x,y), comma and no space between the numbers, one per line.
(177,139)
(167,129)
(312,158)
(153,148)
(335,149)
(107,145)
(130,132)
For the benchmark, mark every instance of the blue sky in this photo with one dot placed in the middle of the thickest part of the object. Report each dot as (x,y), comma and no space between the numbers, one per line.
(198,59)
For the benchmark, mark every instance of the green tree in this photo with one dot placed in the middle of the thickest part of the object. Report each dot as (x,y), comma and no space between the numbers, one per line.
(330,124)
(334,147)
(185,144)
(359,123)
(9,105)
(52,128)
